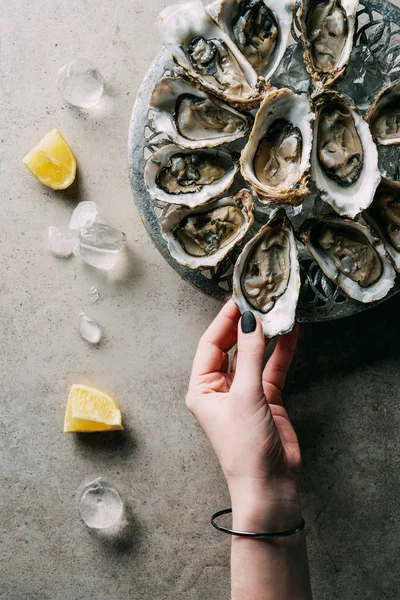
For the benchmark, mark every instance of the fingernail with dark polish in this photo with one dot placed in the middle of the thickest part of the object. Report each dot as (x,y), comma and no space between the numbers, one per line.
(249,322)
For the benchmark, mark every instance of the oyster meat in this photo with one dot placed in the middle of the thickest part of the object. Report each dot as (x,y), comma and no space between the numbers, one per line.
(192,118)
(207,54)
(189,177)
(327,31)
(383,215)
(384,116)
(350,256)
(276,158)
(266,278)
(344,162)
(204,236)
(260,29)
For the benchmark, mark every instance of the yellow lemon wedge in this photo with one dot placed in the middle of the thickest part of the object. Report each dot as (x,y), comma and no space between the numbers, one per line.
(52,161)
(89,410)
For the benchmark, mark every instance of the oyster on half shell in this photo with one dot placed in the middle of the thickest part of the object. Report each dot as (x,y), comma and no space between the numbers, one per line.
(192,118)
(327,33)
(207,54)
(383,215)
(189,177)
(204,236)
(344,161)
(276,158)
(350,256)
(384,116)
(266,278)
(260,29)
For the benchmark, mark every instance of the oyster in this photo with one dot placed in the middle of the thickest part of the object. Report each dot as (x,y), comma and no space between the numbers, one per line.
(383,215)
(189,177)
(327,32)
(207,54)
(192,118)
(204,236)
(266,278)
(276,158)
(260,29)
(344,162)
(350,256)
(384,116)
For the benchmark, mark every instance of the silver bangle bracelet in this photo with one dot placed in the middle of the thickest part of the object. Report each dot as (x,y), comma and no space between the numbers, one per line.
(256,536)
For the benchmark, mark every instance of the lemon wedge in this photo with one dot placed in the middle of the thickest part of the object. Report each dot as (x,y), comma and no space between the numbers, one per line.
(52,161)
(89,410)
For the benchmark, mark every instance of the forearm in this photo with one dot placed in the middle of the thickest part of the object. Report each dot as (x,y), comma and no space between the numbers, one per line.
(268,569)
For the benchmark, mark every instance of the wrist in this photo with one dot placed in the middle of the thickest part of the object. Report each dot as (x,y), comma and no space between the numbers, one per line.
(265,506)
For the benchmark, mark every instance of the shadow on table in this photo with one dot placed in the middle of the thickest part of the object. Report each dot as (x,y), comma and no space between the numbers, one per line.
(122,539)
(342,395)
(108,443)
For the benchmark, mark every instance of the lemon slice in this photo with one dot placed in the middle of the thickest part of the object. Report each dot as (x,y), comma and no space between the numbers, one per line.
(52,161)
(90,410)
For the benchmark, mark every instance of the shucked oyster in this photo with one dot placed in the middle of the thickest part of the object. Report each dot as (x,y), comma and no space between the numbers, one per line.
(189,177)
(344,162)
(276,159)
(384,116)
(350,256)
(207,54)
(384,217)
(260,29)
(327,31)
(266,278)
(204,236)
(192,118)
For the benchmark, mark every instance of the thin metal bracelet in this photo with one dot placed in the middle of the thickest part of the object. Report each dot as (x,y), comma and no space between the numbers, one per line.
(256,536)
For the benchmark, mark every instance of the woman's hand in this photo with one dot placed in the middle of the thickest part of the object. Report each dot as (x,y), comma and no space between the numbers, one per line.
(242,414)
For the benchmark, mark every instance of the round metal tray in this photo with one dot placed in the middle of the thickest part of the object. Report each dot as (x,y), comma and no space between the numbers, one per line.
(320,299)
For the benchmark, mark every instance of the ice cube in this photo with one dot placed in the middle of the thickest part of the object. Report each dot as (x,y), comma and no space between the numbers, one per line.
(99,245)
(292,72)
(80,83)
(61,244)
(83,216)
(100,504)
(89,329)
(94,294)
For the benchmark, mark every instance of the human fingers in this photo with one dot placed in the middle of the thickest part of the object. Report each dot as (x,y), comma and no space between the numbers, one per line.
(250,355)
(276,369)
(211,355)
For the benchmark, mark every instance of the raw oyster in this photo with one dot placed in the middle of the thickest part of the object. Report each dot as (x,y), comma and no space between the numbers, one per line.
(192,118)
(260,29)
(344,162)
(204,236)
(350,256)
(327,32)
(384,116)
(207,54)
(266,278)
(276,158)
(189,177)
(384,217)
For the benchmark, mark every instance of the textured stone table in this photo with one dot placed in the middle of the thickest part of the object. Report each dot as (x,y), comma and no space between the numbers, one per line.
(342,392)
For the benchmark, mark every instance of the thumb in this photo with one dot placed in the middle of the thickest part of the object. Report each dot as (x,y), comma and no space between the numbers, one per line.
(250,355)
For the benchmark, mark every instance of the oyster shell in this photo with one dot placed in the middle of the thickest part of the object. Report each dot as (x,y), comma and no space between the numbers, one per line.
(383,215)
(350,256)
(189,177)
(204,236)
(260,29)
(276,158)
(344,161)
(327,32)
(384,116)
(266,278)
(207,54)
(192,118)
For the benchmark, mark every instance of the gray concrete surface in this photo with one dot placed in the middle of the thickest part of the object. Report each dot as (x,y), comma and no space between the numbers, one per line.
(342,392)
